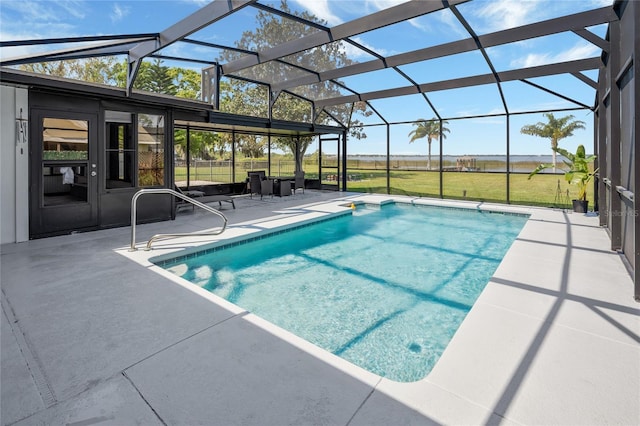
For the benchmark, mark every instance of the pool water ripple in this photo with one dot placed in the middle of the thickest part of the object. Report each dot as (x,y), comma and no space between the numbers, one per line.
(384,288)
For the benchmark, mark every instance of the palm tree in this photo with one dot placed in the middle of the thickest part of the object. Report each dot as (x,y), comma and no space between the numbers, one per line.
(429,129)
(555,129)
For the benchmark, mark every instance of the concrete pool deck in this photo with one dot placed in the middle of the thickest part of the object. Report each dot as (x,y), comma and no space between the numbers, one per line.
(92,334)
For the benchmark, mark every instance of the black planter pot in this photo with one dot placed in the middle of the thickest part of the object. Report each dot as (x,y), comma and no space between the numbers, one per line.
(580,206)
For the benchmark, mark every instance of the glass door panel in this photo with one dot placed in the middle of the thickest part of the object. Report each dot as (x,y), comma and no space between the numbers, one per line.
(150,150)
(65,147)
(119,151)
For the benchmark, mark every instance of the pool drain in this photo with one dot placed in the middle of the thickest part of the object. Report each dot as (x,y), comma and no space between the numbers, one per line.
(414,347)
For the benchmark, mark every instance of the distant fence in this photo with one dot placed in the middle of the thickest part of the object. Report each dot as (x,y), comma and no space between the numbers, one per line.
(518,164)
(222,170)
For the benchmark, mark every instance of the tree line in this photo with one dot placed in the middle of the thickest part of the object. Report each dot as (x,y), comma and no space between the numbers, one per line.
(237,96)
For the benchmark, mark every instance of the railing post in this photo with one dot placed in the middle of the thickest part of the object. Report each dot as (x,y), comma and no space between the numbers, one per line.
(134,209)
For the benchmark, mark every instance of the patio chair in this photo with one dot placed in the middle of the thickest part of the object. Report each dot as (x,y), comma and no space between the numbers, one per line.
(255,184)
(266,187)
(191,194)
(259,184)
(298,182)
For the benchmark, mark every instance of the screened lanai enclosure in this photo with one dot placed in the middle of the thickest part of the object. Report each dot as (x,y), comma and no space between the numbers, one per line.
(423,98)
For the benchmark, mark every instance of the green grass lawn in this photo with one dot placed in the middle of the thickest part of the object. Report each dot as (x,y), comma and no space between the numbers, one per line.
(541,190)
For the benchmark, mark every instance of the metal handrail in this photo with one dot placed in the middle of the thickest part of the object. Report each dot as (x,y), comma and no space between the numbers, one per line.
(134,209)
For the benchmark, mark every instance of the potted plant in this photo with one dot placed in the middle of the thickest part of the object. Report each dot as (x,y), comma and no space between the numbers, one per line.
(578,173)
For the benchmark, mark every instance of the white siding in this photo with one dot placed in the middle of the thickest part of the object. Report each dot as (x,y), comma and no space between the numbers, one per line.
(14,165)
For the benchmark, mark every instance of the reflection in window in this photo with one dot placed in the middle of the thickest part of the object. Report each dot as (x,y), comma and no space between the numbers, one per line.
(150,150)
(64,183)
(64,139)
(120,153)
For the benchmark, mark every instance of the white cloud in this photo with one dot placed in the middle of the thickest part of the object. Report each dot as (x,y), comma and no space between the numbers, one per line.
(72,8)
(376,5)
(501,14)
(321,9)
(40,19)
(119,12)
(602,3)
(580,51)
(199,3)
(330,10)
(35,30)
(532,59)
(33,11)
(451,22)
(384,4)
(417,23)
(354,52)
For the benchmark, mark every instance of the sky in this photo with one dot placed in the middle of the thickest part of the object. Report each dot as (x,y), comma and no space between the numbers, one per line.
(28,19)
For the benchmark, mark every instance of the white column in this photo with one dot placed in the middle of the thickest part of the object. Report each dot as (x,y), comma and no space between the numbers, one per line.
(14,165)
(22,165)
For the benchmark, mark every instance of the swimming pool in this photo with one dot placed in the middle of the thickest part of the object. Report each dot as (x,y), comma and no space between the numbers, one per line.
(384,288)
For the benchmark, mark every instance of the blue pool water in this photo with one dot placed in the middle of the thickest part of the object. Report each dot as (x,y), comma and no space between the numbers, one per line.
(385,288)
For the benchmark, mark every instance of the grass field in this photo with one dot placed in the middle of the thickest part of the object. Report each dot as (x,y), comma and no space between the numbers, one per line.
(541,190)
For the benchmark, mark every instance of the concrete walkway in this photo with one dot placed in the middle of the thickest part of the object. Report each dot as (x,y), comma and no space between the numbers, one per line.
(92,334)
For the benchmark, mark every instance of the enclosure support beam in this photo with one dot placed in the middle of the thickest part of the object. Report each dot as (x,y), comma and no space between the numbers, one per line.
(634,9)
(388,159)
(440,172)
(615,219)
(233,155)
(476,80)
(209,14)
(382,18)
(602,161)
(269,155)
(508,160)
(343,157)
(320,159)
(188,156)
(216,87)
(116,46)
(538,29)
(598,164)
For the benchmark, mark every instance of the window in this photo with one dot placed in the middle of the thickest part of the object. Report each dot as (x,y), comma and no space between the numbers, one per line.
(65,148)
(150,150)
(65,139)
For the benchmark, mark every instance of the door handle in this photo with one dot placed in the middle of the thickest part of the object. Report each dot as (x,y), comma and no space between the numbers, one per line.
(94,173)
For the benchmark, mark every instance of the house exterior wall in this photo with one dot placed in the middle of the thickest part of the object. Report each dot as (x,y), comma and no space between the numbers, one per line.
(20,169)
